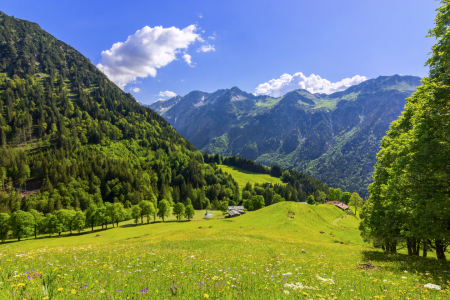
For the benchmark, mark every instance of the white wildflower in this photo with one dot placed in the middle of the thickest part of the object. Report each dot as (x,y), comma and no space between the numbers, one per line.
(325,280)
(432,286)
(286,292)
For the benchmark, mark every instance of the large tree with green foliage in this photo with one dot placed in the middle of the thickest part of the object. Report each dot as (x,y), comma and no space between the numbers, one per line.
(409,198)
(147,209)
(4,226)
(163,209)
(78,221)
(37,217)
(136,213)
(21,224)
(178,210)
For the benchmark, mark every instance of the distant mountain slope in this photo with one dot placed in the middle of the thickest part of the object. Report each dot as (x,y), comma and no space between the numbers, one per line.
(333,137)
(162,106)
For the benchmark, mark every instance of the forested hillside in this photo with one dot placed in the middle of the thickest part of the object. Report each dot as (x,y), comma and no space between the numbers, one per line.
(332,137)
(68,131)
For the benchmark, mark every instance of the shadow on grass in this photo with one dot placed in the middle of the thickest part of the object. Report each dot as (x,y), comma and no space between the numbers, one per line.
(156,222)
(88,231)
(438,270)
(63,235)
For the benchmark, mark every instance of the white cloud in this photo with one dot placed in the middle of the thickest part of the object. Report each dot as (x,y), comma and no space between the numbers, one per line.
(136,89)
(200,15)
(213,36)
(188,58)
(313,84)
(144,52)
(206,48)
(167,94)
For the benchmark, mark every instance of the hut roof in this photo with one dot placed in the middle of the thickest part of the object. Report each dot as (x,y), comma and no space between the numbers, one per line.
(236,207)
(338,204)
(233,213)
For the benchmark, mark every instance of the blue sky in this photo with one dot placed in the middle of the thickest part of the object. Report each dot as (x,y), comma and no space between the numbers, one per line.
(250,43)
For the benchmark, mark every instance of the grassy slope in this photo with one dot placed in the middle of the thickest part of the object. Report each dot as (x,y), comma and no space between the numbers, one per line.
(243,176)
(251,256)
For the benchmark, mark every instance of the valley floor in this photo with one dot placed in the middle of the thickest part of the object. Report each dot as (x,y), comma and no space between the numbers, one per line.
(284,251)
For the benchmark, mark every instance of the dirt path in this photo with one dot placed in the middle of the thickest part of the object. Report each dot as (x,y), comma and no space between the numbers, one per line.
(335,222)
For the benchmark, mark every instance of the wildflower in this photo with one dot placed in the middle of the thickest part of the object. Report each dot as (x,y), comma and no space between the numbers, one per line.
(325,280)
(74,292)
(60,289)
(286,292)
(432,286)
(205,295)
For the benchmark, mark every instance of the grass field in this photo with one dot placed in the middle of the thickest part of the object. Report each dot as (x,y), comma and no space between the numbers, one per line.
(284,251)
(243,176)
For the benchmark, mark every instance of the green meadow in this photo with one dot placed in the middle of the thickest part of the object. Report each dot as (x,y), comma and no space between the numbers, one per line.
(242,176)
(284,251)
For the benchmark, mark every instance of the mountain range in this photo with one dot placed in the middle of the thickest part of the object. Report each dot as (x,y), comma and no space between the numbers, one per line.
(333,137)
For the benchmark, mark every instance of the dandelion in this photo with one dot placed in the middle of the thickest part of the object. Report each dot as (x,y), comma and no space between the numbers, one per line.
(60,289)
(205,296)
(74,292)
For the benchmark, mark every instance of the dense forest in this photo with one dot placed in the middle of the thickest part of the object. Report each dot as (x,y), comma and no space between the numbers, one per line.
(80,144)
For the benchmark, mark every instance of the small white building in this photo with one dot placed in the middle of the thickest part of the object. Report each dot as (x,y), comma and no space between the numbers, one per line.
(208,215)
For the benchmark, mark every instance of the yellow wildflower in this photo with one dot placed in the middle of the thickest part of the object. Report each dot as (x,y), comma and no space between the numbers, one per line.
(60,289)
(205,295)
(74,292)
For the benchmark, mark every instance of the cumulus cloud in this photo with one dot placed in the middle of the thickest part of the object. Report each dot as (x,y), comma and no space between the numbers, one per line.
(144,52)
(313,84)
(206,48)
(136,89)
(187,58)
(167,94)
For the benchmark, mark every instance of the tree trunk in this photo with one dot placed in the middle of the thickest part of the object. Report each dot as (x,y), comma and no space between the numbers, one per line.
(440,249)
(409,246)
(417,248)
(425,244)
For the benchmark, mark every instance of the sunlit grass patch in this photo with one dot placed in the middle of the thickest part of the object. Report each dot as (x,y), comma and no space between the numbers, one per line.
(260,255)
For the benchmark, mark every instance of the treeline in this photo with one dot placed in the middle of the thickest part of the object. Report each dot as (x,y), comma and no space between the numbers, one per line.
(236,161)
(22,224)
